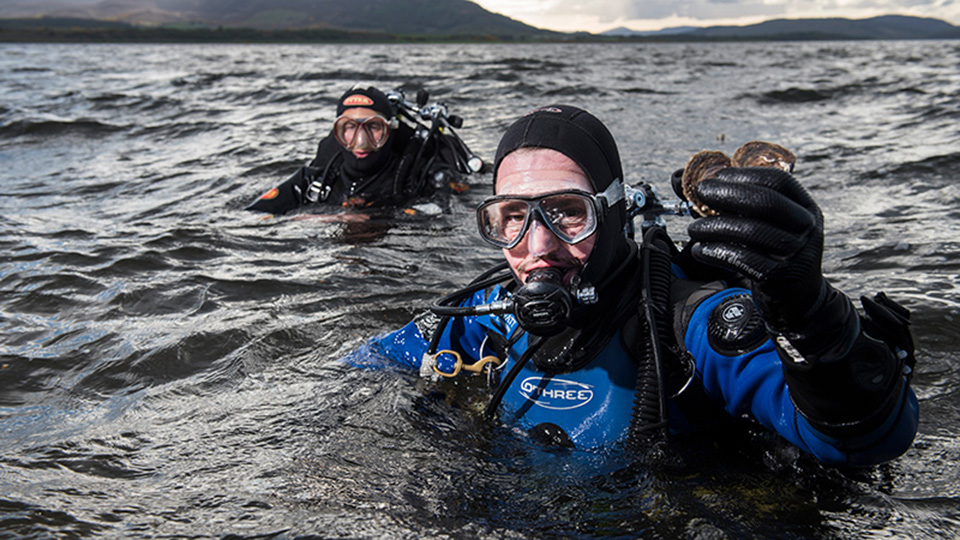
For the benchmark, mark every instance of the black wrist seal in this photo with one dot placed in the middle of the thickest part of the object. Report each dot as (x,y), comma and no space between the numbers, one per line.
(846,371)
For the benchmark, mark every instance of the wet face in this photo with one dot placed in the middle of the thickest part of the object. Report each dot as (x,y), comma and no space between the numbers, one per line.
(537,171)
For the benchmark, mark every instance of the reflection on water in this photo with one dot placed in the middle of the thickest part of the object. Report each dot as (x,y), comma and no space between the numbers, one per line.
(167,367)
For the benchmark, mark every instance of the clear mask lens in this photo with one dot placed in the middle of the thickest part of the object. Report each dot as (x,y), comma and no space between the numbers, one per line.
(370,133)
(571,216)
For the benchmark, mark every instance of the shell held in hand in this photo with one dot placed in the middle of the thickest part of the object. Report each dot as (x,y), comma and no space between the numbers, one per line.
(700,166)
(707,163)
(763,154)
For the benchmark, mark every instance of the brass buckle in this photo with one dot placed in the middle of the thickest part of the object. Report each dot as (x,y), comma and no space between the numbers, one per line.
(476,367)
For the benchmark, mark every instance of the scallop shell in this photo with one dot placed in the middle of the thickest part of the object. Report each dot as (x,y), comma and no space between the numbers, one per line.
(707,163)
(764,154)
(700,166)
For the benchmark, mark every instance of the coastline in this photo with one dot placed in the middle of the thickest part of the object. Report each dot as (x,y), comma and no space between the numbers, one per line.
(66,30)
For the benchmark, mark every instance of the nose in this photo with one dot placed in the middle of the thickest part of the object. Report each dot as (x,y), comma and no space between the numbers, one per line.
(540,239)
(361,139)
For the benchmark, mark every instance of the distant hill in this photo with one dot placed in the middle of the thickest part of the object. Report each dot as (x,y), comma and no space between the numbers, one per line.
(626,32)
(885,27)
(395,17)
(382,20)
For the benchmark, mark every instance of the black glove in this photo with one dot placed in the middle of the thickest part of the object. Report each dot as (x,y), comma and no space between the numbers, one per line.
(770,230)
(845,372)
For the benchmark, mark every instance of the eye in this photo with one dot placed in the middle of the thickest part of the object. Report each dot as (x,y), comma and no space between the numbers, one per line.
(511,217)
(514,217)
(376,129)
(349,127)
(566,210)
(512,211)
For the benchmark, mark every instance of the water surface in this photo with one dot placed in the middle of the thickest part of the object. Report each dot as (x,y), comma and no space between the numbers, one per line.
(168,363)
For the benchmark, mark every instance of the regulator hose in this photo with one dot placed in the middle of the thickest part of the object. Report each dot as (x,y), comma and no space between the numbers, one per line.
(446,306)
(649,406)
(491,409)
(543,305)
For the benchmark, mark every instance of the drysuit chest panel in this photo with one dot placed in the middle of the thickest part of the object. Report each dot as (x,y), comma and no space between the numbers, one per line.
(592,405)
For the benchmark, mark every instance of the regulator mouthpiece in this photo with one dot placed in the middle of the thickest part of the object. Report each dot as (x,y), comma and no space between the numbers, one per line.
(543,305)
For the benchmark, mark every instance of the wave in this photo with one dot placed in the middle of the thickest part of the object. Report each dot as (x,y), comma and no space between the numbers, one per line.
(583,90)
(335,75)
(177,130)
(647,91)
(531,64)
(793,95)
(945,168)
(273,169)
(209,79)
(142,103)
(18,128)
(868,87)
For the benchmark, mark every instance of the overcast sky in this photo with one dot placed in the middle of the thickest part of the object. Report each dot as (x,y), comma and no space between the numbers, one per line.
(601,15)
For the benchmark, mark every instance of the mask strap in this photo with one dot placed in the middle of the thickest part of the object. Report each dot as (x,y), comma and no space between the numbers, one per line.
(613,194)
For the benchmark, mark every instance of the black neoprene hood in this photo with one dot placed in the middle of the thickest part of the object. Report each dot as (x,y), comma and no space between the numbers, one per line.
(574,133)
(365,96)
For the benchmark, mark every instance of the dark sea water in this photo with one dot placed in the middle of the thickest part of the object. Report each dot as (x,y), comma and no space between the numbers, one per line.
(168,361)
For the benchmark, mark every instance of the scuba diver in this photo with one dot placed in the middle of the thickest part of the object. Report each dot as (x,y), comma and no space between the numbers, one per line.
(378,154)
(588,340)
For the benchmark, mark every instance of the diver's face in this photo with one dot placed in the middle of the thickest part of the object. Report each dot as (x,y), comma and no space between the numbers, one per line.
(532,172)
(362,143)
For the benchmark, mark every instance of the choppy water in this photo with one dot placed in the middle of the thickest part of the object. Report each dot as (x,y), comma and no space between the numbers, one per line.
(167,360)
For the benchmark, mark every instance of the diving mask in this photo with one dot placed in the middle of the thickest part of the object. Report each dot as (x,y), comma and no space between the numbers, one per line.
(370,133)
(572,215)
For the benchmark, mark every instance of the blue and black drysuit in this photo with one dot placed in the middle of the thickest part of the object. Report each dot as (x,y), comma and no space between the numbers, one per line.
(741,323)
(734,368)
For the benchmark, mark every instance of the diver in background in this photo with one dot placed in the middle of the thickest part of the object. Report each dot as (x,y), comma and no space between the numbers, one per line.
(588,340)
(371,158)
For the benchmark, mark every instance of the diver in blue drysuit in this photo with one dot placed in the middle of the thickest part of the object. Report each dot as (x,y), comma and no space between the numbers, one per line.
(739,324)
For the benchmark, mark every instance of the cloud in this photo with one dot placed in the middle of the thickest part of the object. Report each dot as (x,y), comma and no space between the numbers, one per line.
(599,15)
(701,9)
(615,10)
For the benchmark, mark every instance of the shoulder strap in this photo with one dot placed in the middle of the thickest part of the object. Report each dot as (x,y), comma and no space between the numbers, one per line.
(408,180)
